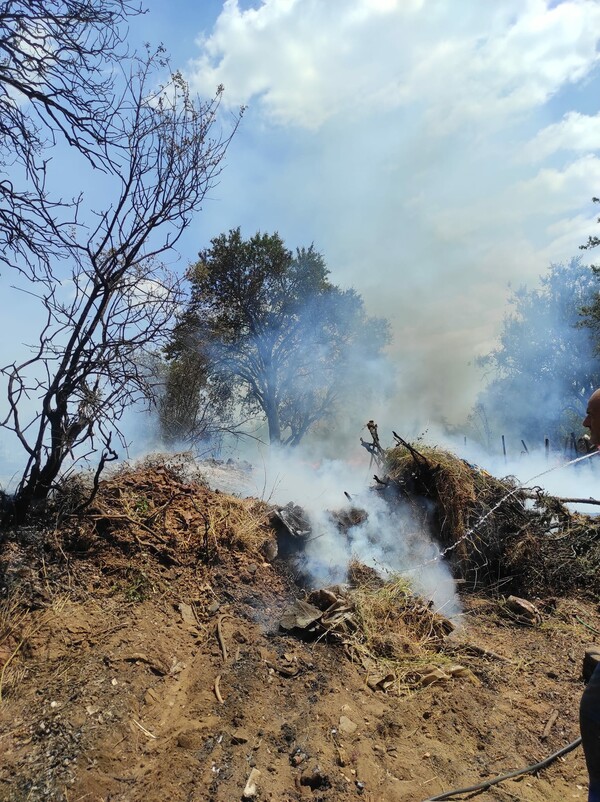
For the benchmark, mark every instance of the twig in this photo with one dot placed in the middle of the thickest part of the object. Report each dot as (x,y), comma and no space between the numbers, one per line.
(218,690)
(593,629)
(536,496)
(479,651)
(220,635)
(122,517)
(549,724)
(5,666)
(144,730)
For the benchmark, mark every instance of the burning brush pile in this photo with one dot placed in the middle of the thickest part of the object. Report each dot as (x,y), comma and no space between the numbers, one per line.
(155,512)
(493,532)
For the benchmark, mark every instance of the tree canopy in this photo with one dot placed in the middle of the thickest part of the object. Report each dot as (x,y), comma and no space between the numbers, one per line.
(281,339)
(546,363)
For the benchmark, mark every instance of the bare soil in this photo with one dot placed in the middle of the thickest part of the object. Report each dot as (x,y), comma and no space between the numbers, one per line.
(114,660)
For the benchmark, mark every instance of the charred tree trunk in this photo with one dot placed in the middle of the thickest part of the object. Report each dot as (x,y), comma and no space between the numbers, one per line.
(272,414)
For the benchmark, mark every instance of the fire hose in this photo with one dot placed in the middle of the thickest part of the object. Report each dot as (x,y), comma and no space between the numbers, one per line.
(517,773)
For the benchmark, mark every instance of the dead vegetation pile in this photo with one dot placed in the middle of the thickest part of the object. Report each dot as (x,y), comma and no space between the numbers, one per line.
(391,634)
(153,507)
(493,532)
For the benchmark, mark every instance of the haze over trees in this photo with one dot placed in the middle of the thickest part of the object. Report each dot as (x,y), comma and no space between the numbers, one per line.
(271,336)
(105,297)
(546,364)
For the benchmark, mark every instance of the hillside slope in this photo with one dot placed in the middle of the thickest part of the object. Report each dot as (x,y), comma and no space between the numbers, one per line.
(118,636)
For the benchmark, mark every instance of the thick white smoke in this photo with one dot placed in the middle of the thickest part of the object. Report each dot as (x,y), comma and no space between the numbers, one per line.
(390,540)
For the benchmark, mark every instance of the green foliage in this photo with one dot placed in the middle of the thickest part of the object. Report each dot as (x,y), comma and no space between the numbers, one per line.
(273,335)
(546,363)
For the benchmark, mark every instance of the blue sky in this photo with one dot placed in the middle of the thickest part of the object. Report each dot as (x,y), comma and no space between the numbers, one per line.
(434,151)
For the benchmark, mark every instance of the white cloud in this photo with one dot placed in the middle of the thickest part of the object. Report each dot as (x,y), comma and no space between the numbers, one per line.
(575,132)
(305,61)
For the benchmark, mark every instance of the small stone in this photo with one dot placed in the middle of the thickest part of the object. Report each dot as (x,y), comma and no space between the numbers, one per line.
(347,726)
(187,613)
(437,675)
(113,681)
(298,757)
(239,736)
(251,789)
(151,697)
(342,758)
(192,739)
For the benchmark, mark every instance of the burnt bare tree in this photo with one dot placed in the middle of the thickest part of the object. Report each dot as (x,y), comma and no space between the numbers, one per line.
(57,84)
(67,399)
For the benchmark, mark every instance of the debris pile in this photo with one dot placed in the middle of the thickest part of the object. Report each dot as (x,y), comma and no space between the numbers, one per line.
(490,530)
(154,507)
(385,629)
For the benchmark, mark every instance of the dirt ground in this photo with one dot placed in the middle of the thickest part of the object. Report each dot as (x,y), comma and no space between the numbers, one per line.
(114,662)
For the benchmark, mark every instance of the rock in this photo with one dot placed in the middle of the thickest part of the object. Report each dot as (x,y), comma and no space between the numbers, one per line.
(380,681)
(347,726)
(298,757)
(435,676)
(522,611)
(191,739)
(251,789)
(239,736)
(323,598)
(187,613)
(269,550)
(462,671)
(151,697)
(342,757)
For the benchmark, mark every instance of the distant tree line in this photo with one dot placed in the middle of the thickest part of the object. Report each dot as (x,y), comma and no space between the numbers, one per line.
(547,361)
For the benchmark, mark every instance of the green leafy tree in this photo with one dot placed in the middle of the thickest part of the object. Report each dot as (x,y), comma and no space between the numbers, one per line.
(546,363)
(280,340)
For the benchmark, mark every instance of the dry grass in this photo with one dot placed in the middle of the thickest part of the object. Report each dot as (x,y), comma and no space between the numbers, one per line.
(395,635)
(18,625)
(470,503)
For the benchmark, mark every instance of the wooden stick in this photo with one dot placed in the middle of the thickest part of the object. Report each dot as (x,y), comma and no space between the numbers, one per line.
(566,500)
(549,724)
(220,635)
(218,690)
(144,730)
